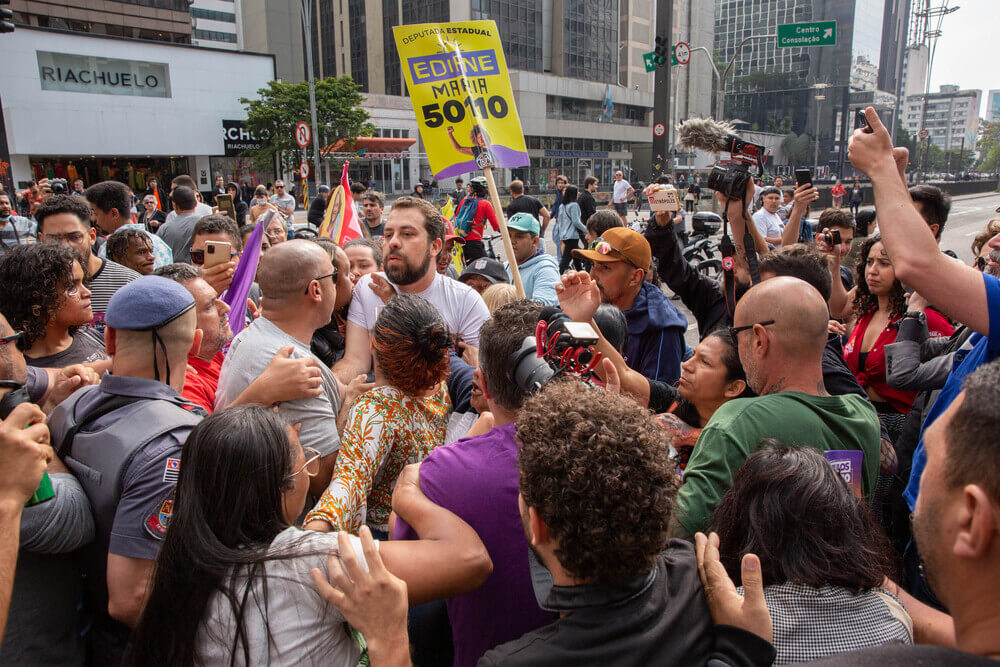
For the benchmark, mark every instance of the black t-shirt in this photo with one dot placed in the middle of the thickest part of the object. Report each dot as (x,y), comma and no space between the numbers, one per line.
(524,204)
(316,210)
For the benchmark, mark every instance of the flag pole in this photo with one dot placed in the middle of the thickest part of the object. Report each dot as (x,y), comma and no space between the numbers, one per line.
(508,248)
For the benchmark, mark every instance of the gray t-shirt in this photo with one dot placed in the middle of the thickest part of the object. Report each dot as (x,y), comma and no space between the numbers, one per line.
(283,202)
(304,629)
(177,233)
(250,353)
(45,622)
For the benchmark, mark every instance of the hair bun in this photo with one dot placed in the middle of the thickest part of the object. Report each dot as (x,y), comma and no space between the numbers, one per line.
(432,339)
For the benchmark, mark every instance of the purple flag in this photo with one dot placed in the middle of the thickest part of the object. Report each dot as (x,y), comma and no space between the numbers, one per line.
(236,296)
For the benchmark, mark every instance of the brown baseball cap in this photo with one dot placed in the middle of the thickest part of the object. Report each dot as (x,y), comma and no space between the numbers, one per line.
(620,244)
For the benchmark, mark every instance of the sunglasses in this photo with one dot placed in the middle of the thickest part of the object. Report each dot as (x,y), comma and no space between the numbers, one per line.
(17,335)
(603,247)
(735,331)
(334,275)
(198,257)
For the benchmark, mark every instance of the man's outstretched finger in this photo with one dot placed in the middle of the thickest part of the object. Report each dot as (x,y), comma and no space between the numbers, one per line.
(375,565)
(753,582)
(874,120)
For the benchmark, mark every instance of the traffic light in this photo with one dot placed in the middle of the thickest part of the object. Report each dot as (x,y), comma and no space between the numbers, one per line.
(6,18)
(662,48)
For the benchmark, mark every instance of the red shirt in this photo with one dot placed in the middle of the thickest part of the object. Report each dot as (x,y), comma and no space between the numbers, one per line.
(201,384)
(873,373)
(484,212)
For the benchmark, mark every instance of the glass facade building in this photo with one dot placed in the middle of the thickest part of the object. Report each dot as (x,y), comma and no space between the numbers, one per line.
(520,25)
(809,91)
(590,40)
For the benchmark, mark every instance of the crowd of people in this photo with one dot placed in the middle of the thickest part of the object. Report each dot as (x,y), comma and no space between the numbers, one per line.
(343,460)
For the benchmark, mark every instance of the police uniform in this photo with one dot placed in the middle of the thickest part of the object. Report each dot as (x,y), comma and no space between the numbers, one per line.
(122,439)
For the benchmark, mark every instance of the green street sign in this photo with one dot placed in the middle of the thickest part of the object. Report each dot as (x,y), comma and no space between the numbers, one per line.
(650,60)
(814,33)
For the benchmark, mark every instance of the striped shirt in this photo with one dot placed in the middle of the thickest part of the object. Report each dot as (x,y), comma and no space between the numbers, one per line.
(109,279)
(162,254)
(17,231)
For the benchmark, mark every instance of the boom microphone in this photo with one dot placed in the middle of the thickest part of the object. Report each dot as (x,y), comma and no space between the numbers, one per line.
(708,134)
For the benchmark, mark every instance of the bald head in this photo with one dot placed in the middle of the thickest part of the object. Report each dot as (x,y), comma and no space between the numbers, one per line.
(287,269)
(793,344)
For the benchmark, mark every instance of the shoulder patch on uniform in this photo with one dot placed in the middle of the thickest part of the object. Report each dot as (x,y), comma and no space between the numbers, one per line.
(171,470)
(157,522)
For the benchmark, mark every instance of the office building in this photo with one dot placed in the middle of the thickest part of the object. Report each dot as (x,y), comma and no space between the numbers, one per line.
(951,117)
(993,107)
(121,109)
(566,57)
(157,20)
(811,91)
(217,23)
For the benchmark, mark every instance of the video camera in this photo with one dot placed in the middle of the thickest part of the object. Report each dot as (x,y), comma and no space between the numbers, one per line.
(59,186)
(713,136)
(733,179)
(559,347)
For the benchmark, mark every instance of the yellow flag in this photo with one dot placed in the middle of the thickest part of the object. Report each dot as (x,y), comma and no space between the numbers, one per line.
(448,210)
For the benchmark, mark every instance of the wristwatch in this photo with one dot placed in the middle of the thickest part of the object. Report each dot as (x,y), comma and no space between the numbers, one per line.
(916,315)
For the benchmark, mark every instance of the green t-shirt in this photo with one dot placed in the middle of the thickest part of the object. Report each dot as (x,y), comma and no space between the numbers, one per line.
(791,417)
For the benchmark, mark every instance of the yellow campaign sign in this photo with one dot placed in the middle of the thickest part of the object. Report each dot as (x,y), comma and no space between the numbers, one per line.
(458,82)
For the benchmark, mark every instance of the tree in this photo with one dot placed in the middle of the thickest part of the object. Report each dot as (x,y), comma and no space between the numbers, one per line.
(798,148)
(282,105)
(989,147)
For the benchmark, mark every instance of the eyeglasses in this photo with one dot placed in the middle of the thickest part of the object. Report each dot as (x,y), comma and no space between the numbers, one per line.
(72,237)
(311,465)
(735,331)
(198,257)
(603,247)
(17,335)
(279,187)
(334,275)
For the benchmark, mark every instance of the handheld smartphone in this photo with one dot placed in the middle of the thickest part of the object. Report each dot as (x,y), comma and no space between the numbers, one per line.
(217,252)
(225,204)
(861,122)
(803,176)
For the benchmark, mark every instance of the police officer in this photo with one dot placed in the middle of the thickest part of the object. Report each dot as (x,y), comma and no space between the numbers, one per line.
(122,439)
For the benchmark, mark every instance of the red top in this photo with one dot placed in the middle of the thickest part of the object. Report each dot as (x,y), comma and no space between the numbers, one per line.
(484,212)
(201,384)
(838,191)
(873,374)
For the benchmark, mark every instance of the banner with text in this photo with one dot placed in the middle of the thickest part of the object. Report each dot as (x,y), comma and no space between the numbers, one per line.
(458,82)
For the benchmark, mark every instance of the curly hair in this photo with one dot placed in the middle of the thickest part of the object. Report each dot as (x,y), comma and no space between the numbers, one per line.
(597,470)
(411,344)
(771,510)
(117,245)
(34,278)
(864,300)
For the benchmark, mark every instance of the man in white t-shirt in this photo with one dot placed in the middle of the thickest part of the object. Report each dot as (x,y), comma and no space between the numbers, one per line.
(413,237)
(767,219)
(619,196)
(284,201)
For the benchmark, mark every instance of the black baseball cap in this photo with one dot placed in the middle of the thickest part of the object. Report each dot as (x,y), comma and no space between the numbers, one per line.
(488,268)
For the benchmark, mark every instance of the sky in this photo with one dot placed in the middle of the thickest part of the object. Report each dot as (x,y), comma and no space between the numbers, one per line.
(966,52)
